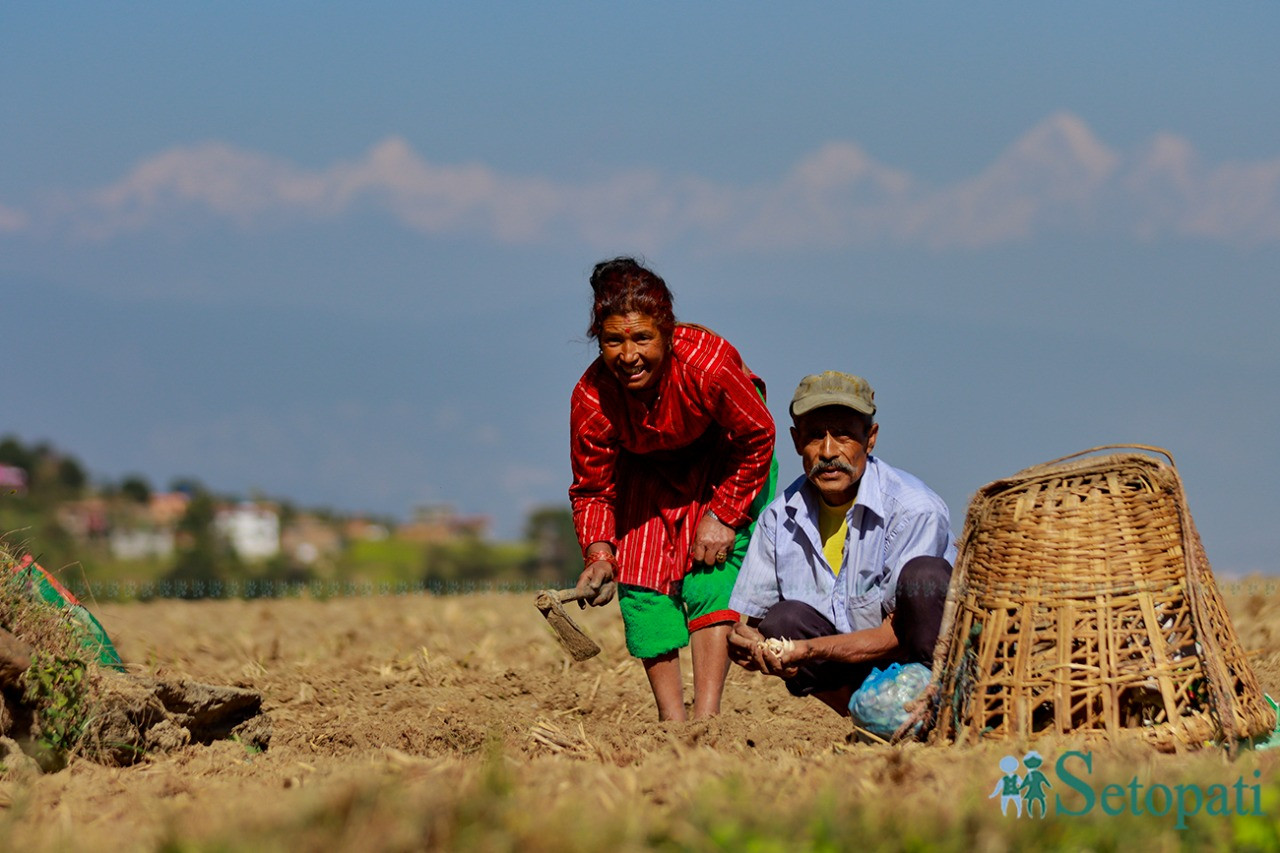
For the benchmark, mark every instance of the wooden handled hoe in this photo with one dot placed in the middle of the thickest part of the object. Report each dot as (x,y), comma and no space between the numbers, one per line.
(573,638)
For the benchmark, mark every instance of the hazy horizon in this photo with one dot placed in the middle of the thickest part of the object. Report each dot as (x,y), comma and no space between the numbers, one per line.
(342,258)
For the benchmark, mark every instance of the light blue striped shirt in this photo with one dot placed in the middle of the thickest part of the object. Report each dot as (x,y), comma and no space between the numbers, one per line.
(896,517)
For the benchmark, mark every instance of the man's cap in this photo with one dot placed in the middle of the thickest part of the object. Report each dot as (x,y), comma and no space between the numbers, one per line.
(832,388)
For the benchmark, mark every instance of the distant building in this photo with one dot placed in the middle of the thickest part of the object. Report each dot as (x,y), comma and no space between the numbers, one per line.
(84,519)
(141,543)
(307,539)
(13,480)
(441,523)
(252,529)
(167,508)
(146,531)
(364,530)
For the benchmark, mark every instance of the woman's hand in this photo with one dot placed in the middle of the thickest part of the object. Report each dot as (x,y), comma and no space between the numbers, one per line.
(597,580)
(712,541)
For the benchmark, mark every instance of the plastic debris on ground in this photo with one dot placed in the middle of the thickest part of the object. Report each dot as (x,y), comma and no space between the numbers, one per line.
(878,705)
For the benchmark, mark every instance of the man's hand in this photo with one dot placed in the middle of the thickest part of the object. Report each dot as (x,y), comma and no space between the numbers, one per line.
(750,649)
(712,541)
(742,643)
(597,580)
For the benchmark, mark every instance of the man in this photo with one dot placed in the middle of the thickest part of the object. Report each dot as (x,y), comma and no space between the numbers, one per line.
(851,563)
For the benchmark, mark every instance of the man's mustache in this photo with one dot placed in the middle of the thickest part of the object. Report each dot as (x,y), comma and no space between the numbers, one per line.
(832,465)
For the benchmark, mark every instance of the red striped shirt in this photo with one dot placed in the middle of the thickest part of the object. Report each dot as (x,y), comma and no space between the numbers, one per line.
(644,475)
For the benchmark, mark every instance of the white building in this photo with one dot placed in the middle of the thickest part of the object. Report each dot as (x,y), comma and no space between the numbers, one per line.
(141,543)
(253,530)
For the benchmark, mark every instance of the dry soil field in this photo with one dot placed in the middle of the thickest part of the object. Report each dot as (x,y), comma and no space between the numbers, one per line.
(410,722)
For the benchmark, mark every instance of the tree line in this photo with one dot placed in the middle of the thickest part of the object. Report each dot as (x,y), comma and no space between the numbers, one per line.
(204,561)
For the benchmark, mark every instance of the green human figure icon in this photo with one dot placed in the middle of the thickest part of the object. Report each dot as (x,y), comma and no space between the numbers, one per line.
(1034,784)
(1009,786)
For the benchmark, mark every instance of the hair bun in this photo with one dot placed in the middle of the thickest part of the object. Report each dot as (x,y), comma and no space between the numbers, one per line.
(622,286)
(605,271)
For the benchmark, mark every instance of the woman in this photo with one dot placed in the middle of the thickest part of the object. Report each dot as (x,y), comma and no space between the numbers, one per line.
(672,450)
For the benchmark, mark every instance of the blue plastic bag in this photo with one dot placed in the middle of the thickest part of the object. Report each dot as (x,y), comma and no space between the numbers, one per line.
(877,705)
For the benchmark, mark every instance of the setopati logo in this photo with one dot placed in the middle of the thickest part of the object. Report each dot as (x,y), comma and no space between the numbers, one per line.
(1023,789)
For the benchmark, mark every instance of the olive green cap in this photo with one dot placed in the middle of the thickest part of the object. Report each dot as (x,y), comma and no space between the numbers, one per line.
(832,388)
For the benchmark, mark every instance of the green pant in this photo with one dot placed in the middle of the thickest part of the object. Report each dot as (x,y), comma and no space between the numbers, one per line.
(658,623)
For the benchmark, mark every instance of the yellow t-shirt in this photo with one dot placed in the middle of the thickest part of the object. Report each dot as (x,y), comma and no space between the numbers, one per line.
(833,526)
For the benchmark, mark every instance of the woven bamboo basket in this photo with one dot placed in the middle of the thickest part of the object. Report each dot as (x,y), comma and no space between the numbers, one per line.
(1083,602)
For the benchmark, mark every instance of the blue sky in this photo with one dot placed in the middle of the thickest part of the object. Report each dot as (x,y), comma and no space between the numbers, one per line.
(338,253)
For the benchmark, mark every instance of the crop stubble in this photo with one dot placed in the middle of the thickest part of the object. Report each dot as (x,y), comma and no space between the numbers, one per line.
(409,721)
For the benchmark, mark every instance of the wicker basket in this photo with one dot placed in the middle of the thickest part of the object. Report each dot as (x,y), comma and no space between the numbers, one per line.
(1083,602)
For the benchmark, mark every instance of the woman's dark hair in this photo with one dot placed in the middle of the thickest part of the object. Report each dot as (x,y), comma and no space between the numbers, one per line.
(622,286)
